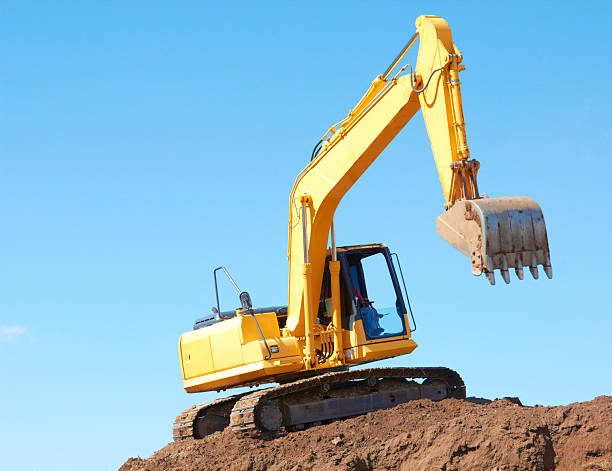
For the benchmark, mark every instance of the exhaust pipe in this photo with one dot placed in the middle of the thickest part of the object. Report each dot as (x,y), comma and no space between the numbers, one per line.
(498,234)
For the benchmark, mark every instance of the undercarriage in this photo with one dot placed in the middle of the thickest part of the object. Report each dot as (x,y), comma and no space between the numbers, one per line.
(317,400)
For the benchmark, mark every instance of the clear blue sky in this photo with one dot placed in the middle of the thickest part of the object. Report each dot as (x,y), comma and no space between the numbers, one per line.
(144,143)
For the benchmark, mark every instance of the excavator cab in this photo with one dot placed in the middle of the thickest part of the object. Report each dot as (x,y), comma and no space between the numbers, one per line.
(370,292)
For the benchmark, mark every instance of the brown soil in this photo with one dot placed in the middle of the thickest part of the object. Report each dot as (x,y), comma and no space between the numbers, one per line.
(421,435)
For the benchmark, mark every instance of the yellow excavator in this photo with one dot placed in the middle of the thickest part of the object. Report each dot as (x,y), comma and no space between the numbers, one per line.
(346,305)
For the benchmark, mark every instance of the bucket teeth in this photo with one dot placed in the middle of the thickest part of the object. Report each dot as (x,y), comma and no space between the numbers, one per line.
(533,268)
(548,271)
(548,268)
(498,234)
(504,270)
(519,267)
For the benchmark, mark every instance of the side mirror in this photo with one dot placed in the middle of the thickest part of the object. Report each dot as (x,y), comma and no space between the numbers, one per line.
(245,300)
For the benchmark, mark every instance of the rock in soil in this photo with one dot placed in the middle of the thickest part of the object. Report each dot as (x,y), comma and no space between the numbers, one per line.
(450,435)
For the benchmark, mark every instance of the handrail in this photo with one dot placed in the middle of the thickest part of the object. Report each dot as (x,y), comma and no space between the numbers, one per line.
(217,289)
(262,337)
(250,311)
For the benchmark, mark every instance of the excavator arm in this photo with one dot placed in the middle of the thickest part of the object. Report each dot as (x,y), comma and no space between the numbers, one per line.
(495,233)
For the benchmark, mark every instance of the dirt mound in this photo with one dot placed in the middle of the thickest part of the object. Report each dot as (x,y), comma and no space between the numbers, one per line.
(421,435)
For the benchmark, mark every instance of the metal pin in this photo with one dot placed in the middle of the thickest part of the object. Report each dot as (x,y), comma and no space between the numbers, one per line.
(504,271)
(533,268)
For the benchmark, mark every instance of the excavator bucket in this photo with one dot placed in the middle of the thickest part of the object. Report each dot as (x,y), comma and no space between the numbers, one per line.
(498,233)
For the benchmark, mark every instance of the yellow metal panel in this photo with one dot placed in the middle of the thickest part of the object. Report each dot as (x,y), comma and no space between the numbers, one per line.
(196,357)
(268,323)
(258,373)
(226,348)
(357,334)
(256,350)
(383,349)
(253,352)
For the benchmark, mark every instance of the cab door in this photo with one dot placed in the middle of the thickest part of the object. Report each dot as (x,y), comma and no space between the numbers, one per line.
(372,292)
